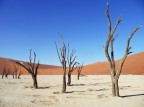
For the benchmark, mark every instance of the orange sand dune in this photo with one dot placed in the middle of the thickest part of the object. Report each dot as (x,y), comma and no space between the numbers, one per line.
(43,69)
(134,64)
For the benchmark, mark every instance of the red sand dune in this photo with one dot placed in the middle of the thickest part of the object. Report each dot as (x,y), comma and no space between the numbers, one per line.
(134,64)
(43,69)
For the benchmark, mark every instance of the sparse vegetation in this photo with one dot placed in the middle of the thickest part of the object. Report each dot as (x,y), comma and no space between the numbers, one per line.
(71,64)
(79,69)
(115,73)
(16,72)
(91,86)
(32,68)
(20,73)
(62,58)
(5,72)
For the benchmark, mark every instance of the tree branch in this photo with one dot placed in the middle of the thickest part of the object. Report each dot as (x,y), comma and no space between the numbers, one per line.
(126,52)
(58,52)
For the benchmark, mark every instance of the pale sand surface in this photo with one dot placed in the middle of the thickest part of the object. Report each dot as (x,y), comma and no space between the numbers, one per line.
(89,91)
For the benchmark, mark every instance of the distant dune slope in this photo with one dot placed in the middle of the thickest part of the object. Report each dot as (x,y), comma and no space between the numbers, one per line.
(134,64)
(43,69)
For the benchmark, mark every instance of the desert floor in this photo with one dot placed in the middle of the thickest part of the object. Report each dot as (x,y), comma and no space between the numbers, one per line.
(89,91)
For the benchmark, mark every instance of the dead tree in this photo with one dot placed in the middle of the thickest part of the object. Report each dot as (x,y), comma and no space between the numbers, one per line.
(15,71)
(13,74)
(115,74)
(5,73)
(32,68)
(71,64)
(79,69)
(62,57)
(19,74)
(8,72)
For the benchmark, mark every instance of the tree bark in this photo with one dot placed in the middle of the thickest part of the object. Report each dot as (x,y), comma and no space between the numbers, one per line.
(116,88)
(16,75)
(13,75)
(2,76)
(35,85)
(64,77)
(79,68)
(113,88)
(69,79)
(64,83)
(78,76)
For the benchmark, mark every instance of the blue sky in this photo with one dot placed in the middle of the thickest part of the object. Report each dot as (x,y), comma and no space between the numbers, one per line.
(26,24)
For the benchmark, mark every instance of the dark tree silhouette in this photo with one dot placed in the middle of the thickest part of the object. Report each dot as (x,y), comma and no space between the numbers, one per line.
(15,71)
(79,69)
(62,57)
(5,73)
(71,64)
(32,68)
(115,74)
(19,74)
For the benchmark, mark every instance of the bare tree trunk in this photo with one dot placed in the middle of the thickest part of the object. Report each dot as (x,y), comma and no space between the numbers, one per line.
(19,74)
(34,77)
(69,79)
(13,75)
(4,72)
(64,81)
(2,76)
(64,84)
(64,77)
(79,69)
(6,75)
(113,88)
(78,75)
(116,88)
(16,75)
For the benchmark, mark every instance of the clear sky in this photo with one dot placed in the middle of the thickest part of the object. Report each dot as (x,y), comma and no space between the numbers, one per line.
(26,24)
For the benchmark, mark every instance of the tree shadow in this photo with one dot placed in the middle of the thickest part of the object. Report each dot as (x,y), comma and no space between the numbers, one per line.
(132,95)
(103,89)
(70,92)
(67,92)
(43,87)
(95,84)
(73,91)
(77,84)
